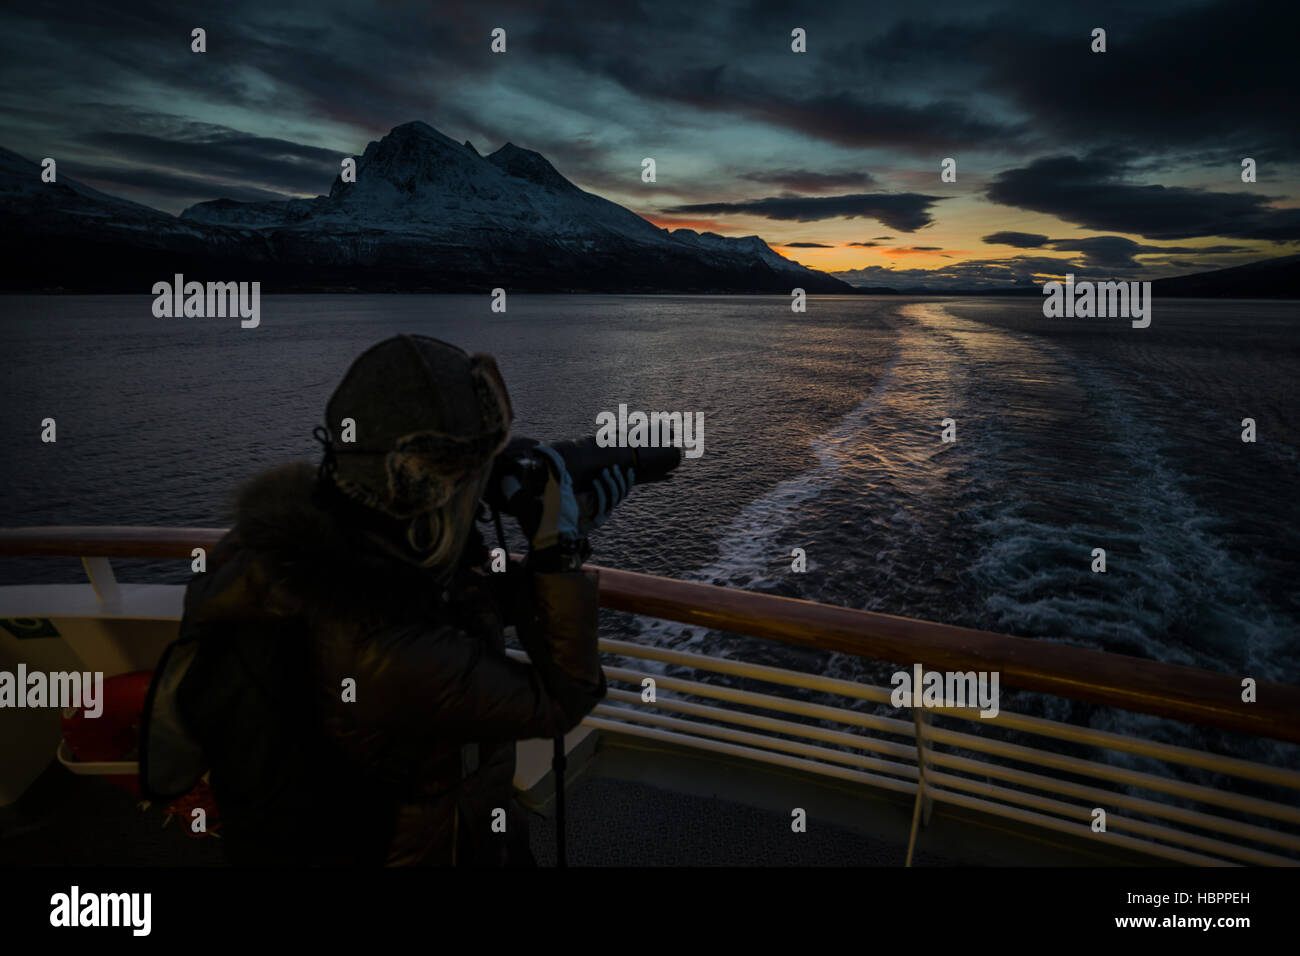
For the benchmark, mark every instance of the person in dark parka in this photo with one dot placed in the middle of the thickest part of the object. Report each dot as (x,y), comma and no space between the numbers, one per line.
(341,668)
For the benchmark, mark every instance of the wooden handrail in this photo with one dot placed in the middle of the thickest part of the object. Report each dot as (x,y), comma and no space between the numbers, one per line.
(106,541)
(1131,683)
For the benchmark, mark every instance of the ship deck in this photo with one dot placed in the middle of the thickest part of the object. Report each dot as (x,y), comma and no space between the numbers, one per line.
(627,804)
(703,764)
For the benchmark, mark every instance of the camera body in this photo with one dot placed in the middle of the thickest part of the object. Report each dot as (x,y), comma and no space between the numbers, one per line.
(583,458)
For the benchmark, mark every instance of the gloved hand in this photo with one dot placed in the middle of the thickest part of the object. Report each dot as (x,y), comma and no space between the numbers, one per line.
(556,518)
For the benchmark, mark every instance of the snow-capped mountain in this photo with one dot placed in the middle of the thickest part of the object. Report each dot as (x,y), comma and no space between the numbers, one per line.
(425,214)
(417,181)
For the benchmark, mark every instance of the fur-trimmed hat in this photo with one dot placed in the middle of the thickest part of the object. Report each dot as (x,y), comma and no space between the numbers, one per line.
(423,417)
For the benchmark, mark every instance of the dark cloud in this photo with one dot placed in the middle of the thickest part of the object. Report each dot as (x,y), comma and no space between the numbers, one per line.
(228,155)
(848,120)
(1118,251)
(806,245)
(185,190)
(1105,250)
(865,245)
(338,62)
(1208,74)
(1021,240)
(653,53)
(1092,193)
(1175,77)
(926,248)
(906,212)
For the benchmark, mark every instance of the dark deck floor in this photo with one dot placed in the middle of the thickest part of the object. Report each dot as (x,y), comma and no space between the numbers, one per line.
(627,805)
(624,823)
(611,822)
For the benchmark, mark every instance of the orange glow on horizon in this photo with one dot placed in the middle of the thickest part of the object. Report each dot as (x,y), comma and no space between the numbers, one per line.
(843,257)
(699,225)
(899,252)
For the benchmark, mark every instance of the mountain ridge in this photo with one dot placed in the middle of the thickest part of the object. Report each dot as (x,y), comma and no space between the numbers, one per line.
(425,213)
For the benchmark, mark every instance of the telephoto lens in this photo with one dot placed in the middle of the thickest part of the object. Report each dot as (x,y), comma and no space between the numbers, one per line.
(584,459)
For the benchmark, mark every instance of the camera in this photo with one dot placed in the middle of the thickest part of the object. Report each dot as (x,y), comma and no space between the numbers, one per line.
(583,458)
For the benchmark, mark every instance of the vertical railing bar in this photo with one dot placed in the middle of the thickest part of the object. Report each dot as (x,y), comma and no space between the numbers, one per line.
(923,803)
(102,579)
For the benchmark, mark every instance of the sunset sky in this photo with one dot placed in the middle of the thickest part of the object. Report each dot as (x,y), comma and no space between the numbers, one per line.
(1125,164)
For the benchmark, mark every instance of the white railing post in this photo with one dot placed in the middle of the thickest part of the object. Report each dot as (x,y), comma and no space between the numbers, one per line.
(100,572)
(923,806)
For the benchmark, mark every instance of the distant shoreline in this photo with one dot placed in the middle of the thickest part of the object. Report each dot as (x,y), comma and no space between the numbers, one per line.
(910,294)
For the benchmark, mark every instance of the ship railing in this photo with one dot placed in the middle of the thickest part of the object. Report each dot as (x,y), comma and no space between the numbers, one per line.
(1160,800)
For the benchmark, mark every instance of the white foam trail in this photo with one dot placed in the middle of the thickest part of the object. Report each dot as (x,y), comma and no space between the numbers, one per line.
(747,545)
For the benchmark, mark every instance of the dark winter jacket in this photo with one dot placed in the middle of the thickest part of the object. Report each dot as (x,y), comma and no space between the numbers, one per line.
(351,710)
